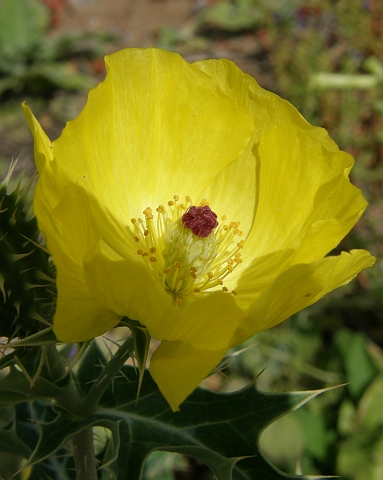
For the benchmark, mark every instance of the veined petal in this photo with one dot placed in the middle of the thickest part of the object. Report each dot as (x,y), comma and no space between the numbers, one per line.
(301,182)
(234,194)
(130,289)
(79,315)
(298,287)
(258,274)
(161,128)
(265,108)
(70,233)
(178,369)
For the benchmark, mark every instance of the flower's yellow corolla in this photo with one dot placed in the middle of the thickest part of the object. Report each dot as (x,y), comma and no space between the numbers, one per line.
(157,137)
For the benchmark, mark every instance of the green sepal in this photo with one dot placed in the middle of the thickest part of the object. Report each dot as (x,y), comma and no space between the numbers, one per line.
(141,347)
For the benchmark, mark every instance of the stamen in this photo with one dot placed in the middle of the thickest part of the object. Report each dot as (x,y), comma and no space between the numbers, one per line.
(186,248)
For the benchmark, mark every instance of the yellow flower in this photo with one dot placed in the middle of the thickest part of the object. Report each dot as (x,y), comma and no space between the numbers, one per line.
(130,195)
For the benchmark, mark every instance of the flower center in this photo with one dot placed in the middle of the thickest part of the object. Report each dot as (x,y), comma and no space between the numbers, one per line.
(201,220)
(186,247)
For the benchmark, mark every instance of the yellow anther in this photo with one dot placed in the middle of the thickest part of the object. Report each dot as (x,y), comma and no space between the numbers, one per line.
(148,213)
(186,266)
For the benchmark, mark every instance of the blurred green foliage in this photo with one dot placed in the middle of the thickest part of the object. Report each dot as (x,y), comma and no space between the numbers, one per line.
(33,62)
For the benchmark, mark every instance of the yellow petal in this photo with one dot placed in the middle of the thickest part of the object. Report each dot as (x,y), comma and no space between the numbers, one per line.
(42,147)
(129,288)
(265,108)
(157,126)
(71,233)
(178,369)
(69,227)
(79,314)
(301,182)
(296,288)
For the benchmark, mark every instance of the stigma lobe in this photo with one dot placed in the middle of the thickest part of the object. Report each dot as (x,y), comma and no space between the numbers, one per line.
(200,220)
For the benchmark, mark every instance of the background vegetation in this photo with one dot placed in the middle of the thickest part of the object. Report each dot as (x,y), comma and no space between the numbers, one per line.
(324,56)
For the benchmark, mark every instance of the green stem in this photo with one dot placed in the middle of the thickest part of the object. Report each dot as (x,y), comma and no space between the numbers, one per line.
(92,398)
(69,400)
(84,456)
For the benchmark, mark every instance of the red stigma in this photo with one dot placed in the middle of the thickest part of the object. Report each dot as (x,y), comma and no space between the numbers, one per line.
(200,220)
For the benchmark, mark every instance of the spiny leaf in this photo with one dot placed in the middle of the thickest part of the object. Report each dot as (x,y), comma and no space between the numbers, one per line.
(221,430)
(27,289)
(43,337)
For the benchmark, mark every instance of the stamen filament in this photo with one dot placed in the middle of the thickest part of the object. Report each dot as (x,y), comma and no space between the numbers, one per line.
(186,251)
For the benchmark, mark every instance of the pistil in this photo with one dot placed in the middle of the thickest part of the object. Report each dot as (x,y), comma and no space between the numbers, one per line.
(186,248)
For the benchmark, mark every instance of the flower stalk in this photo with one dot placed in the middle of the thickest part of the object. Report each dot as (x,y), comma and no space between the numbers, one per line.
(84,456)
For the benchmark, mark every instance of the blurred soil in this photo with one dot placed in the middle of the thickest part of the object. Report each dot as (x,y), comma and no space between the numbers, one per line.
(137,23)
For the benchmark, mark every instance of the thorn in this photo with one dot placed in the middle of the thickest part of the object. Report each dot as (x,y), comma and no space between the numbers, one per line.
(15,257)
(36,244)
(12,166)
